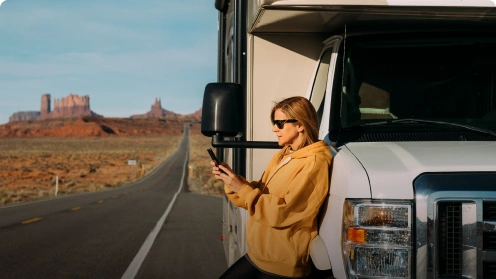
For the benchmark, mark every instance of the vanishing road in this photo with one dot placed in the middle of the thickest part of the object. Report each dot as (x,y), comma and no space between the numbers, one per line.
(152,228)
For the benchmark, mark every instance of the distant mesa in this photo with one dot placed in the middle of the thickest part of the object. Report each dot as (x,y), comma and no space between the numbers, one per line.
(74,106)
(156,112)
(68,107)
(24,116)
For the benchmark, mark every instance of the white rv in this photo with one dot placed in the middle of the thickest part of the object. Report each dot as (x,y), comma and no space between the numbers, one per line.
(406,95)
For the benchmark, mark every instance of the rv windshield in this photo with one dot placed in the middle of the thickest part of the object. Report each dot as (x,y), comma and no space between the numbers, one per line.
(448,80)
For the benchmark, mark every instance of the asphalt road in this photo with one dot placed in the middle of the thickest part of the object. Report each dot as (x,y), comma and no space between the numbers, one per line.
(130,232)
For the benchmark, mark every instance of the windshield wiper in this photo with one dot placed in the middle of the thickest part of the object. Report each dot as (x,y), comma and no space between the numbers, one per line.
(413,120)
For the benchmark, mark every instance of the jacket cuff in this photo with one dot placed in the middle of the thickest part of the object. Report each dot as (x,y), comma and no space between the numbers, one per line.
(244,190)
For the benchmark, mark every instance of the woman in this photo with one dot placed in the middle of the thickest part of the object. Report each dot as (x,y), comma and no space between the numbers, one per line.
(284,204)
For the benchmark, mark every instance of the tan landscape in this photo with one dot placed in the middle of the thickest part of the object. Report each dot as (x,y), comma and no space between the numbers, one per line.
(93,153)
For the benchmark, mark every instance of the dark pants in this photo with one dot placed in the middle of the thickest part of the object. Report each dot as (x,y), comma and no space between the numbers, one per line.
(244,269)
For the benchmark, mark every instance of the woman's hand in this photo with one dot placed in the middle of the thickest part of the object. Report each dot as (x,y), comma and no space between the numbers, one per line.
(231,179)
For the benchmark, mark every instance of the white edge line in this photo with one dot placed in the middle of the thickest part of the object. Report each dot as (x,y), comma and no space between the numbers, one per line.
(135,265)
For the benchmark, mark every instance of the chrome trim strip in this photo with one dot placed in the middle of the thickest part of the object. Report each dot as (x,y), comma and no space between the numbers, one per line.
(479,234)
(424,263)
(469,239)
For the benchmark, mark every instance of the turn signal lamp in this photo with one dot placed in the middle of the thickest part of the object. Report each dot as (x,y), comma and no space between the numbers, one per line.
(356,235)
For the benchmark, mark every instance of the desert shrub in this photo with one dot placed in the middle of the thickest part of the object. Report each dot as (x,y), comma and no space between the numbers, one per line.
(82,164)
(200,178)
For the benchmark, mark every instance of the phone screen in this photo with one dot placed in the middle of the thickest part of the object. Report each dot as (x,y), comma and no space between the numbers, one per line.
(212,155)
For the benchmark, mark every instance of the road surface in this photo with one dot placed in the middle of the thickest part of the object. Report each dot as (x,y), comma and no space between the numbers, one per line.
(152,228)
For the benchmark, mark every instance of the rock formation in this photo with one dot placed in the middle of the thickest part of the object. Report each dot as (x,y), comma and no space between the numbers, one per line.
(156,112)
(46,105)
(24,116)
(70,106)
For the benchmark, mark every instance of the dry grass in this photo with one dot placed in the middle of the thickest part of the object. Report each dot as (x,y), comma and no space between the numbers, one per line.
(200,178)
(29,166)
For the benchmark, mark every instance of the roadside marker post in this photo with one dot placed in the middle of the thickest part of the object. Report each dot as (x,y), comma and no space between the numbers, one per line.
(56,185)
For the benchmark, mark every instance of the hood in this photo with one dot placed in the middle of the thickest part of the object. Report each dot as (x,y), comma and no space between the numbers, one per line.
(319,148)
(393,166)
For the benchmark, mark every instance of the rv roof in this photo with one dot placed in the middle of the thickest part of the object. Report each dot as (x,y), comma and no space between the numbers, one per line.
(321,16)
(415,3)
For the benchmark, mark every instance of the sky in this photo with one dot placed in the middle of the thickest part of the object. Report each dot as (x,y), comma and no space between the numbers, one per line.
(121,53)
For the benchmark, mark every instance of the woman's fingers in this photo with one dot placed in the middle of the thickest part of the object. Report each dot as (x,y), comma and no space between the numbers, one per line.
(215,170)
(227,171)
(227,166)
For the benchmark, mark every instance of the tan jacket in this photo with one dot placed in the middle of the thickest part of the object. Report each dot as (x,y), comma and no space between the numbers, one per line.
(283,207)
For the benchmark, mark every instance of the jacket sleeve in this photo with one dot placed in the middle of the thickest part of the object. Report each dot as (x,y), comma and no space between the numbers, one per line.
(302,200)
(237,200)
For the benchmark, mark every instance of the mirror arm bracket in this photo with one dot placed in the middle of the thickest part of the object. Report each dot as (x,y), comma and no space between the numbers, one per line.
(217,141)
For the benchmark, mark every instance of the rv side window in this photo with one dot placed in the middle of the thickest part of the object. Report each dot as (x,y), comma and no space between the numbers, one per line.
(320,83)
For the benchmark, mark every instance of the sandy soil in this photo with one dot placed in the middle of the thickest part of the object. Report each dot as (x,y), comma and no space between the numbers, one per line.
(90,154)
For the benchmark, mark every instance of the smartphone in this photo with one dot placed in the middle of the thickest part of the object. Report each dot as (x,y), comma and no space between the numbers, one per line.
(214,158)
(212,155)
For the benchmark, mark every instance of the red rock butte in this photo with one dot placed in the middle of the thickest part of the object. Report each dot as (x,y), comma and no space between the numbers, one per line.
(70,106)
(74,106)
(156,111)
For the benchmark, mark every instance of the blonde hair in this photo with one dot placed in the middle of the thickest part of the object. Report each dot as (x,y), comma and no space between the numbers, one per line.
(301,109)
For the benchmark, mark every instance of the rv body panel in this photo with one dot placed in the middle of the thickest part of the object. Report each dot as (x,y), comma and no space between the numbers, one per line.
(289,42)
(280,67)
(411,3)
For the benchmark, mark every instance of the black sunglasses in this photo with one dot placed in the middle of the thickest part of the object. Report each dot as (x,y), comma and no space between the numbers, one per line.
(280,123)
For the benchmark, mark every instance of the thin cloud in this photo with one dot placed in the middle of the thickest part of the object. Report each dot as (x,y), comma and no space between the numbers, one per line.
(148,64)
(115,51)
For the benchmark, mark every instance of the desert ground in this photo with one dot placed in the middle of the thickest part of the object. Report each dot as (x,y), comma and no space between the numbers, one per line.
(40,159)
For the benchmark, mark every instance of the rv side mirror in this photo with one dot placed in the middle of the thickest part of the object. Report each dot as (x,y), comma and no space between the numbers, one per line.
(221,110)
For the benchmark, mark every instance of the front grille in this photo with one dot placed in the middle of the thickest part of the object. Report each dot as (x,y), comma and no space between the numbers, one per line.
(489,240)
(455,225)
(450,239)
(489,211)
(489,269)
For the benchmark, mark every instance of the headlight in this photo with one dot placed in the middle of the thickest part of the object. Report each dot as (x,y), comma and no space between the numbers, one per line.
(377,239)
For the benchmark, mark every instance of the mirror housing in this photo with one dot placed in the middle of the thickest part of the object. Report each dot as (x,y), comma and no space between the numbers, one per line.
(222,110)
(222,116)
(222,5)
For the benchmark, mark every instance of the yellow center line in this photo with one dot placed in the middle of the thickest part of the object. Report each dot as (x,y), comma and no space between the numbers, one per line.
(30,221)
(100,201)
(115,197)
(75,208)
